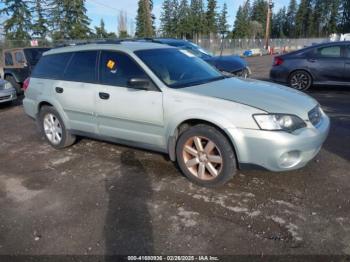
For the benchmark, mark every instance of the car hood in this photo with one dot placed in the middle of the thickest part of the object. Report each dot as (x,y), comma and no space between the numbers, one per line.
(269,97)
(228,63)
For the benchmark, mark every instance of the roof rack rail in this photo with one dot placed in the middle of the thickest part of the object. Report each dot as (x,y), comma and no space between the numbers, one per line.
(98,41)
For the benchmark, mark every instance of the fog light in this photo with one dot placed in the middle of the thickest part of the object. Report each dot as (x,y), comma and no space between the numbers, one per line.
(290,159)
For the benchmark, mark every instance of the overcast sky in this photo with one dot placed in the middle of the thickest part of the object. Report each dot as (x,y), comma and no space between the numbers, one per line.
(109,9)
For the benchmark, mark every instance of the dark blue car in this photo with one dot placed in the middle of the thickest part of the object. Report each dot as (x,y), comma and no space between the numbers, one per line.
(321,64)
(229,65)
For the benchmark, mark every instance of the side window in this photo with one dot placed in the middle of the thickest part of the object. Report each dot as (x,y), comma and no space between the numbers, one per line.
(51,66)
(8,59)
(82,67)
(330,51)
(19,57)
(117,68)
(348,51)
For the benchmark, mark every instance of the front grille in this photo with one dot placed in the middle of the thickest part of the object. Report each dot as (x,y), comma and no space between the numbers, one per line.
(315,115)
(4,97)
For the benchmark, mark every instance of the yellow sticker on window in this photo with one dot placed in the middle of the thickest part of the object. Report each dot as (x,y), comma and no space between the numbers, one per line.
(111,64)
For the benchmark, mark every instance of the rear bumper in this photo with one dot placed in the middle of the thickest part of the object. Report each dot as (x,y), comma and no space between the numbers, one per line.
(8,95)
(279,151)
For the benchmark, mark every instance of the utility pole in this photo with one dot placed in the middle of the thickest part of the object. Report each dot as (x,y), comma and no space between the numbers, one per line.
(268,19)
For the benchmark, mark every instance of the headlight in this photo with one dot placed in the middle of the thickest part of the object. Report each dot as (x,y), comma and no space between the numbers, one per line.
(7,85)
(281,122)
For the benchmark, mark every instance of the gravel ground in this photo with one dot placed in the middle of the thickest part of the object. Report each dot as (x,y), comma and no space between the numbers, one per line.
(101,198)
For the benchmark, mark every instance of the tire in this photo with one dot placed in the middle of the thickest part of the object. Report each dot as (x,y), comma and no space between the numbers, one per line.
(300,80)
(16,85)
(204,147)
(50,123)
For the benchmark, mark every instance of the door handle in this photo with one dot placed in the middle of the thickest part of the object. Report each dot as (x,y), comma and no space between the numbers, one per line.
(312,60)
(59,90)
(104,96)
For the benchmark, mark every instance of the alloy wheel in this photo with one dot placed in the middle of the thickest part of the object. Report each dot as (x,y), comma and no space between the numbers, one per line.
(52,129)
(202,158)
(300,81)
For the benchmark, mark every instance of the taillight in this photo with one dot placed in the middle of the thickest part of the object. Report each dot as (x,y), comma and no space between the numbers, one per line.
(277,61)
(26,84)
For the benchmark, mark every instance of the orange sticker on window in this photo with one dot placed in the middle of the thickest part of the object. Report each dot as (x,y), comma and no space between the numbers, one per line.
(111,64)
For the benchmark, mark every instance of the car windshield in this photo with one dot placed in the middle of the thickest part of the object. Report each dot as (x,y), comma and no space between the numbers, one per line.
(34,54)
(193,48)
(178,68)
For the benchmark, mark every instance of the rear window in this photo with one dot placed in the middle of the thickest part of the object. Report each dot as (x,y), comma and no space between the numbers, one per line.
(33,55)
(52,66)
(82,67)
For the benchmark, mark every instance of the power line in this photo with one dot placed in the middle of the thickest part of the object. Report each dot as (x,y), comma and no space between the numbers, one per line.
(110,7)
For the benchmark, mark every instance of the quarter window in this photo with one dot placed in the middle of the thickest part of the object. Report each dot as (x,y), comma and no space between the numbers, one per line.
(331,51)
(117,69)
(19,57)
(82,67)
(51,66)
(8,59)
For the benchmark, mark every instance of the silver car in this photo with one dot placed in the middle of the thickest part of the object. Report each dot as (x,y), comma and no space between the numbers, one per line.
(7,92)
(165,99)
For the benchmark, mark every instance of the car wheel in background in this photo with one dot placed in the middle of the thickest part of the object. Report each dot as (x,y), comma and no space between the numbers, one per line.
(300,80)
(205,156)
(16,85)
(53,128)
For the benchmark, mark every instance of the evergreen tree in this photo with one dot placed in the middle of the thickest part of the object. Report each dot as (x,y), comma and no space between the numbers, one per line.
(290,21)
(197,18)
(345,16)
(18,24)
(166,19)
(183,25)
(222,21)
(211,18)
(145,19)
(303,18)
(40,27)
(279,24)
(68,19)
(100,31)
(242,22)
(259,13)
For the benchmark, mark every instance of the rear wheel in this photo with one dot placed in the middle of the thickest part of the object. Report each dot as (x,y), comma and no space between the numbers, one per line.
(300,80)
(53,128)
(16,85)
(205,156)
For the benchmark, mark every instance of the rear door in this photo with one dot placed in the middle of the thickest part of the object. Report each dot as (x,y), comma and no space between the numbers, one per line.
(347,64)
(123,112)
(327,64)
(76,91)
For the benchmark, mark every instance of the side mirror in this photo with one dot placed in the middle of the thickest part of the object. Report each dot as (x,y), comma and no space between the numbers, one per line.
(139,83)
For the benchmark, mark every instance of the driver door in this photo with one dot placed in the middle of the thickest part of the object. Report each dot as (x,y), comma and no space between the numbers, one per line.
(123,112)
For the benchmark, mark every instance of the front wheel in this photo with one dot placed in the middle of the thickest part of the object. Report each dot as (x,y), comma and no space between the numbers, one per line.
(300,80)
(205,156)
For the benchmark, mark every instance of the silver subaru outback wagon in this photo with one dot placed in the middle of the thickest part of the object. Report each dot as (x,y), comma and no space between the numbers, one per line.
(165,99)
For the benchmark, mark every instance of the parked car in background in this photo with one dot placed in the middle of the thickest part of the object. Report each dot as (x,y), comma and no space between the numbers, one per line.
(229,65)
(7,92)
(321,64)
(18,64)
(166,99)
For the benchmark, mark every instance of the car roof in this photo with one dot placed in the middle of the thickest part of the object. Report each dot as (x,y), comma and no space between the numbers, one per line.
(130,46)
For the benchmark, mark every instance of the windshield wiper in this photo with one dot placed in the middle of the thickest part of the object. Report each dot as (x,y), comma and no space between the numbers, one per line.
(199,82)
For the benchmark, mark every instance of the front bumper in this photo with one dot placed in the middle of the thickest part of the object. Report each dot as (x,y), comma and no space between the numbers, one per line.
(7,95)
(279,151)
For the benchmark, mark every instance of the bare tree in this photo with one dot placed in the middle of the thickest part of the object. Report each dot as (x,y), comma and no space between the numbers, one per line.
(122,24)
